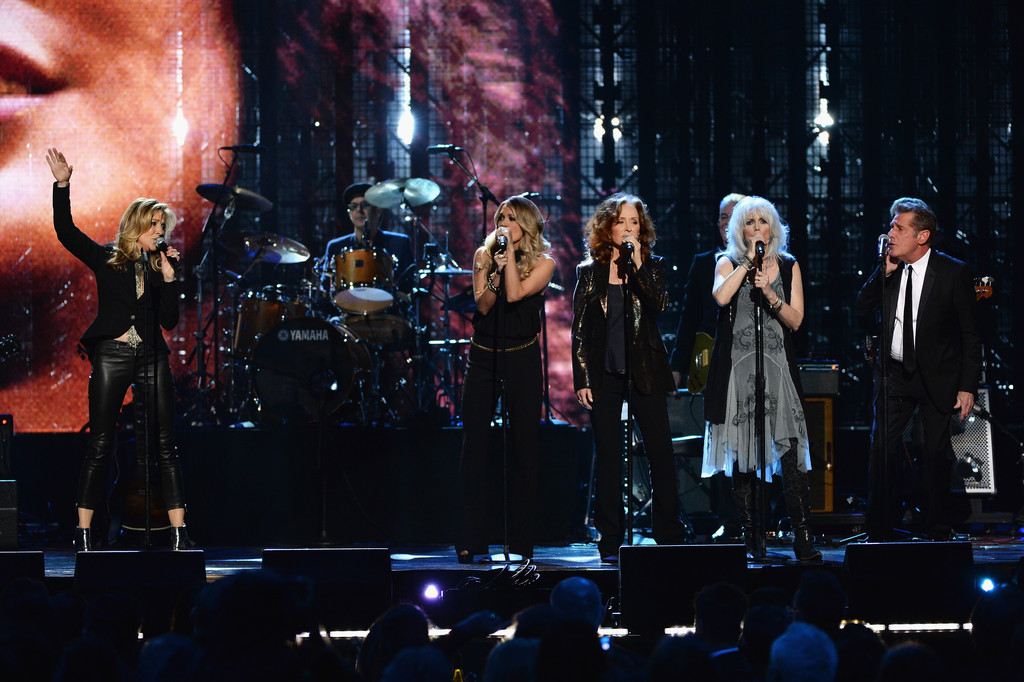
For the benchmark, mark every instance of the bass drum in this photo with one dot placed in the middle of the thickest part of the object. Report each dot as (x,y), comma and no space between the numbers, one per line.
(305,369)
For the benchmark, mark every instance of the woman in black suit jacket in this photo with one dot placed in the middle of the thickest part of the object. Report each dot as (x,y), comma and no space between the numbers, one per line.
(136,296)
(619,238)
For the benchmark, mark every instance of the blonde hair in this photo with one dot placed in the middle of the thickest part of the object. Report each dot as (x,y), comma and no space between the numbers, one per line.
(134,224)
(597,236)
(736,243)
(533,245)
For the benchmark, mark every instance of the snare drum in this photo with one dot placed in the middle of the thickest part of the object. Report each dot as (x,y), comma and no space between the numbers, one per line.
(259,310)
(390,332)
(363,280)
(306,368)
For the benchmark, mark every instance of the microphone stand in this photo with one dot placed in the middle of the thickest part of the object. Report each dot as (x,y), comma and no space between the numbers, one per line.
(760,487)
(500,367)
(627,408)
(148,398)
(485,194)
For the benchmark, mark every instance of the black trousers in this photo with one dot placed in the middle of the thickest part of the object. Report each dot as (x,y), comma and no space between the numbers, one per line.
(523,397)
(907,392)
(115,367)
(650,413)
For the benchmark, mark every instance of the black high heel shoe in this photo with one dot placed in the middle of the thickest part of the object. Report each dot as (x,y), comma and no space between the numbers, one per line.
(83,539)
(179,538)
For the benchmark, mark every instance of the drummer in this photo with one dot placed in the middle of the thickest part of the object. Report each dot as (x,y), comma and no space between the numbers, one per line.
(366,221)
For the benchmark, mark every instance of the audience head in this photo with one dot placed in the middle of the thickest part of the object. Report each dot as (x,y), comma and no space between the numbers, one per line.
(860,651)
(911,662)
(418,664)
(761,627)
(802,654)
(681,658)
(572,652)
(535,621)
(821,601)
(578,600)
(513,661)
(719,610)
(401,627)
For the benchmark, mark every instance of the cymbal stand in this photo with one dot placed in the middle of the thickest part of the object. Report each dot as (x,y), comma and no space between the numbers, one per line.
(485,194)
(211,230)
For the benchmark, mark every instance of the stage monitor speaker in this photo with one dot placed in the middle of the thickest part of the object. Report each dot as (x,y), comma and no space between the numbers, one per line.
(351,585)
(6,443)
(821,433)
(973,471)
(910,582)
(14,565)
(657,583)
(156,578)
(8,515)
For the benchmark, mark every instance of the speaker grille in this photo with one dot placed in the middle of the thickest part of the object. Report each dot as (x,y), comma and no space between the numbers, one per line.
(972,445)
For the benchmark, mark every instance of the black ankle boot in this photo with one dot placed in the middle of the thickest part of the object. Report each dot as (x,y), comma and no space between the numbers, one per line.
(83,539)
(743,495)
(179,538)
(797,489)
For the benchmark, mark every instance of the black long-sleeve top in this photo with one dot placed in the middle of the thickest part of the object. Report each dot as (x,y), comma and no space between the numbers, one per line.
(118,306)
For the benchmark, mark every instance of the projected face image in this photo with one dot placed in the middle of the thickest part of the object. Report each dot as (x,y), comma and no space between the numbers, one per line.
(136,95)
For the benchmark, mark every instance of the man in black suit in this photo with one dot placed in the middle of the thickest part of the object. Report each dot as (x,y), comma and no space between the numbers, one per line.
(931,348)
(700,311)
(700,315)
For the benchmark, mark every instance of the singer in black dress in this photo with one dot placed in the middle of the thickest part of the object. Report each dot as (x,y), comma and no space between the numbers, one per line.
(511,271)
(619,238)
(137,295)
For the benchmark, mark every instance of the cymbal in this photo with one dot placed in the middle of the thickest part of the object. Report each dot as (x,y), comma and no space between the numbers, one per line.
(413,191)
(443,271)
(267,246)
(245,200)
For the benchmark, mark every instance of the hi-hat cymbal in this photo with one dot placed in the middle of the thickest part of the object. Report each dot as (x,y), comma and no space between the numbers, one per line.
(245,200)
(413,191)
(267,246)
(443,271)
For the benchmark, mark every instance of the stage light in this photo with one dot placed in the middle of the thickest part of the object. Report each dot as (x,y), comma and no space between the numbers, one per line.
(987,585)
(431,592)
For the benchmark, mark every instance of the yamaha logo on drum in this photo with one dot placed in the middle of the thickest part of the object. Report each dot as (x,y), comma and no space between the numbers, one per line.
(303,335)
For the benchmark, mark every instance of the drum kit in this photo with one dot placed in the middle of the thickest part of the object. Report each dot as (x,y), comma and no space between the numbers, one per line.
(346,342)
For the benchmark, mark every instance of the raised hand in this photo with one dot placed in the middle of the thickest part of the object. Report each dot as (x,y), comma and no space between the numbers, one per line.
(59,166)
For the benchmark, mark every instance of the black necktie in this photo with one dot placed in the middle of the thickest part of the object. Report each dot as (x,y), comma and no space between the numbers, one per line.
(909,356)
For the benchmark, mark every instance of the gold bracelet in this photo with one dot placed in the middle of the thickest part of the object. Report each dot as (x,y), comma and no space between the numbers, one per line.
(747,263)
(490,284)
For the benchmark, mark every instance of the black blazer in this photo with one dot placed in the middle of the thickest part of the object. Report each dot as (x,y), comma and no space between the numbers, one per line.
(118,306)
(947,342)
(650,369)
(700,310)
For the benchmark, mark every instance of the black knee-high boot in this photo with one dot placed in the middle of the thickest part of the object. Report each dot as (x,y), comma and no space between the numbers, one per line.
(797,489)
(743,492)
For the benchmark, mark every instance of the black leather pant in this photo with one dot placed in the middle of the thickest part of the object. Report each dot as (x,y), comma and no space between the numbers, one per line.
(115,367)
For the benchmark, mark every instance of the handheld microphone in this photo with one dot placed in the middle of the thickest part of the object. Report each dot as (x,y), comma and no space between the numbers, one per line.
(883,244)
(161,246)
(759,248)
(628,248)
(444,149)
(245,149)
(502,243)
